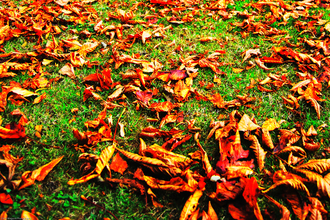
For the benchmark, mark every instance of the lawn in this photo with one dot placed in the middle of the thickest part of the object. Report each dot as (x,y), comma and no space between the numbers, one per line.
(161,109)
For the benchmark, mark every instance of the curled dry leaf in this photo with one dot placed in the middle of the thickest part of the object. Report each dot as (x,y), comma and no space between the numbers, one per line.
(249,53)
(322,185)
(294,183)
(102,161)
(176,184)
(258,150)
(318,165)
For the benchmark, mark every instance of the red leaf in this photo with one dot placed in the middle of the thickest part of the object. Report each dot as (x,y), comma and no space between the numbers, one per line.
(118,164)
(5,199)
(177,74)
(144,96)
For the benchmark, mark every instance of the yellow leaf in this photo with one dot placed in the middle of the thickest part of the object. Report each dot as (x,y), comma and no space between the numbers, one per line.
(238,171)
(271,124)
(22,92)
(327,27)
(28,215)
(45,62)
(104,158)
(237,70)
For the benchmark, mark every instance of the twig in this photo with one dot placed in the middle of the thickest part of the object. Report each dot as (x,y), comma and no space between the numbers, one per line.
(114,135)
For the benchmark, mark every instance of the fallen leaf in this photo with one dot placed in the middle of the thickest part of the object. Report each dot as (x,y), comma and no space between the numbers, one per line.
(118,164)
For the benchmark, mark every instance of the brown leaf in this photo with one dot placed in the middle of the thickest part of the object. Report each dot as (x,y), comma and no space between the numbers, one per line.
(298,206)
(238,171)
(176,184)
(142,159)
(266,138)
(249,53)
(295,183)
(284,211)
(240,212)
(12,132)
(154,199)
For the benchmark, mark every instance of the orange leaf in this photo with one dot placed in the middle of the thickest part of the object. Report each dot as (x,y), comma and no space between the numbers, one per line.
(154,199)
(12,131)
(142,159)
(240,213)
(39,99)
(211,213)
(191,204)
(295,183)
(38,174)
(82,179)
(28,215)
(4,215)
(175,184)
(118,164)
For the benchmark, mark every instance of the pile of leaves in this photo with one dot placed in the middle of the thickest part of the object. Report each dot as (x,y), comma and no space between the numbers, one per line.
(239,178)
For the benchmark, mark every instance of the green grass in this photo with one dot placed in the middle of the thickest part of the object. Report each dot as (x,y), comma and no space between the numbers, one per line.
(54,112)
